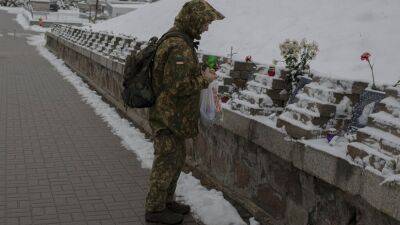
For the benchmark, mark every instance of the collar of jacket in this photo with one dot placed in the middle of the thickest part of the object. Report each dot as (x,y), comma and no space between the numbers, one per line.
(195,43)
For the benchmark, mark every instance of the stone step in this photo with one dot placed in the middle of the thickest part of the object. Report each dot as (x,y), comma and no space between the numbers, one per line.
(347,86)
(393,92)
(359,151)
(274,83)
(379,139)
(228,80)
(341,123)
(247,108)
(254,98)
(240,83)
(325,109)
(265,88)
(278,83)
(257,87)
(244,66)
(386,122)
(306,116)
(224,89)
(325,94)
(263,79)
(245,75)
(358,87)
(390,105)
(296,128)
(278,94)
(279,103)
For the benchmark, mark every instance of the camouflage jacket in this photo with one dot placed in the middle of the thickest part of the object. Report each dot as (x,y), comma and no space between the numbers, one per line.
(177,82)
(176,78)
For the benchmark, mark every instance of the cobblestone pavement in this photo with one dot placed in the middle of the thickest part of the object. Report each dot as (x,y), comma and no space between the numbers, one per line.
(59,162)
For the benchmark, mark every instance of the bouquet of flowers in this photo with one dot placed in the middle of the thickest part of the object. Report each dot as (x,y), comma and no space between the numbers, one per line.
(297,56)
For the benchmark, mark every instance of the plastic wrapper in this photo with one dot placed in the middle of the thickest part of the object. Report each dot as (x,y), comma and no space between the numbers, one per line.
(210,104)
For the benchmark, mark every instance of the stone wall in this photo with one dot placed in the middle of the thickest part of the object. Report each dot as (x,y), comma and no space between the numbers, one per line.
(290,182)
(102,74)
(279,180)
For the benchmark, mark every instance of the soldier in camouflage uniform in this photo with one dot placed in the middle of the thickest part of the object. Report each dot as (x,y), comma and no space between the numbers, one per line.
(177,81)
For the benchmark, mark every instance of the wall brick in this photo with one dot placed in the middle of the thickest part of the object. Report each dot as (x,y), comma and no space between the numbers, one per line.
(271,201)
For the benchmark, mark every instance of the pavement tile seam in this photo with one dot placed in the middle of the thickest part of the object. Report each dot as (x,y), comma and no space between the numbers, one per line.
(61,162)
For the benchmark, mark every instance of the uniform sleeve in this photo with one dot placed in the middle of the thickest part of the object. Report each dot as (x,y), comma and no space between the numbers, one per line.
(180,73)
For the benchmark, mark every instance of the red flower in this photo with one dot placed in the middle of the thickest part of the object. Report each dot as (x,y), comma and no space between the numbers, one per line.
(271,71)
(365,56)
(248,58)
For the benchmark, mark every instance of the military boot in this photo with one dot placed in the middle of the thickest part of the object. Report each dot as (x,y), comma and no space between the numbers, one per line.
(165,217)
(178,207)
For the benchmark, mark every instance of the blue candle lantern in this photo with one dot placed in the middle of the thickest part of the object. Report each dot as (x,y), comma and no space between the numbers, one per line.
(332,132)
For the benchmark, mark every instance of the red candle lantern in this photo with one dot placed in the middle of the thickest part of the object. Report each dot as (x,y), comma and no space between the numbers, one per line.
(224,99)
(271,71)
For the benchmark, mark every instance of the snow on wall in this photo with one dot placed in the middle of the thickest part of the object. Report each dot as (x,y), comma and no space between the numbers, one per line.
(256,27)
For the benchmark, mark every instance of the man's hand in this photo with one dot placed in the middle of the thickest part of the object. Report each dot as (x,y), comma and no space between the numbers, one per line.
(209,74)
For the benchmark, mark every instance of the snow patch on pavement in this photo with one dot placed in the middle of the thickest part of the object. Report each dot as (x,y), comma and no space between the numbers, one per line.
(207,205)
(21,20)
(254,221)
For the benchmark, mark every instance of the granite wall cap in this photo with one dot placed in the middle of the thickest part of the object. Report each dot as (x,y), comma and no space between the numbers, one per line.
(385,198)
(236,123)
(271,139)
(320,164)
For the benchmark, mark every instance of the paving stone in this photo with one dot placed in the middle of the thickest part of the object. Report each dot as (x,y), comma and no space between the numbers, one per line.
(60,162)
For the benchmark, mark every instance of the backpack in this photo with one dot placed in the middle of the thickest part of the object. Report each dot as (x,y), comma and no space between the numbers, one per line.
(137,87)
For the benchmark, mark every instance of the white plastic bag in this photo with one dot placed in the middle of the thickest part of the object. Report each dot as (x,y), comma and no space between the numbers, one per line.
(210,105)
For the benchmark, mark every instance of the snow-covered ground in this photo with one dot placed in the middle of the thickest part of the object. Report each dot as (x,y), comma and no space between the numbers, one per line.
(343,30)
(207,205)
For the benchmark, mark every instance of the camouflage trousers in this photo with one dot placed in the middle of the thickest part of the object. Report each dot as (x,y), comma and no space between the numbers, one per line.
(169,158)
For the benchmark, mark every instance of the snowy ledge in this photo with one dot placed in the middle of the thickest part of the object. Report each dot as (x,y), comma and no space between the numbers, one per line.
(309,157)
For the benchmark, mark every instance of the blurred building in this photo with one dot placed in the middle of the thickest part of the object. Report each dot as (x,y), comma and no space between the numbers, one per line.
(116,8)
(40,5)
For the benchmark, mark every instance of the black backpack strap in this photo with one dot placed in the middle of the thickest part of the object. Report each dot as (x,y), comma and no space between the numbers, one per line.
(167,35)
(178,34)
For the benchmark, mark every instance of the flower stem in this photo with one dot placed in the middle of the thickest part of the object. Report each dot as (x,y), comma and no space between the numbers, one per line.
(373,77)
